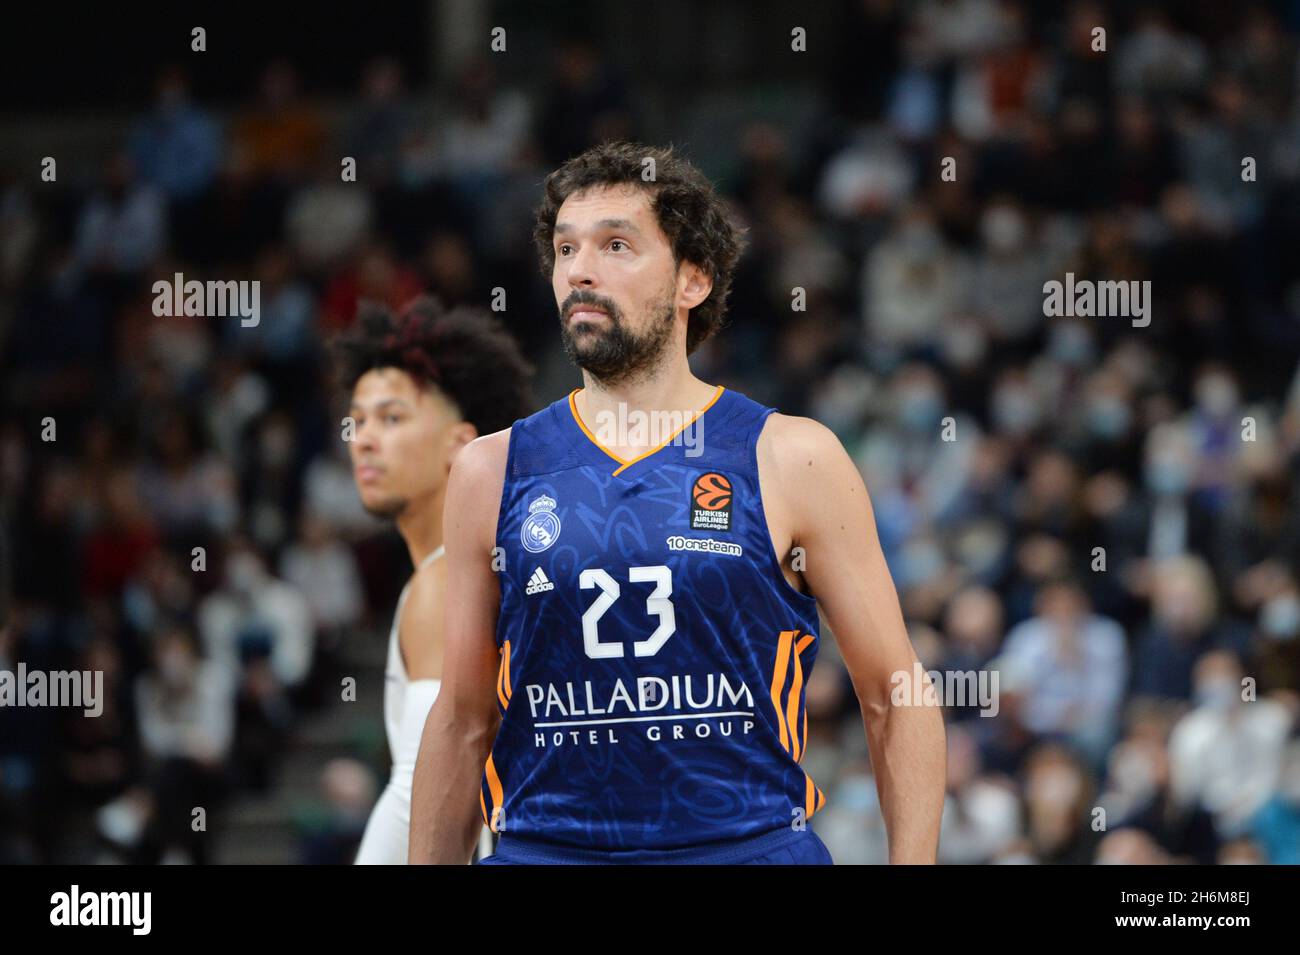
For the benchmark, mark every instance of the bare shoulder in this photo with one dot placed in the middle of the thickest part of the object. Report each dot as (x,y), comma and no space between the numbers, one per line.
(791,446)
(485,456)
(797,455)
(474,489)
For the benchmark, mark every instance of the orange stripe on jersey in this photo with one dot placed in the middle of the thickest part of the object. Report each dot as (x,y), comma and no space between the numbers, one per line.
(669,440)
(778,681)
(623,462)
(803,746)
(501,680)
(792,711)
(814,798)
(573,408)
(505,669)
(494,784)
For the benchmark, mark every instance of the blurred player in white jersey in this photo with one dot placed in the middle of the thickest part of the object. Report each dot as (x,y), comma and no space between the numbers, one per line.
(423,385)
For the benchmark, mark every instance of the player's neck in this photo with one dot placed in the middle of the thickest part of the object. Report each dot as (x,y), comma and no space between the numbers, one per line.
(672,388)
(421,526)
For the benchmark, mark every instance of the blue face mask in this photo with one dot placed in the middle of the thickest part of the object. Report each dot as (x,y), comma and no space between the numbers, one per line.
(1070,345)
(1218,694)
(1167,477)
(1015,411)
(1108,419)
(919,410)
(1280,618)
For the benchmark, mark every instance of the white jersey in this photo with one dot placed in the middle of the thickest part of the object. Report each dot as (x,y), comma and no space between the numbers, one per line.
(406,707)
(396,682)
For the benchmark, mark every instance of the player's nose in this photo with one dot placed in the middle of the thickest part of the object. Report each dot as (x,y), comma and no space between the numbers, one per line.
(365,438)
(582,268)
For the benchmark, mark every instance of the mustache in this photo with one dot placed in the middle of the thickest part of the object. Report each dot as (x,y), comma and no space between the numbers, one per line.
(578,299)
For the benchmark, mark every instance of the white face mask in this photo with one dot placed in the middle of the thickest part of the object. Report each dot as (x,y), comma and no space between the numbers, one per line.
(1003,229)
(1132,774)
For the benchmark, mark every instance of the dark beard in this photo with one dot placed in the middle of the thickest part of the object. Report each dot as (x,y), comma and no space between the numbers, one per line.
(614,355)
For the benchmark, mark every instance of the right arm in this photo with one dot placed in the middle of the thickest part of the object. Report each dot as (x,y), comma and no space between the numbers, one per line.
(462,724)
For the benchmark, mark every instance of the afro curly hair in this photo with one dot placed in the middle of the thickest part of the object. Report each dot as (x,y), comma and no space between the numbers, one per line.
(464,353)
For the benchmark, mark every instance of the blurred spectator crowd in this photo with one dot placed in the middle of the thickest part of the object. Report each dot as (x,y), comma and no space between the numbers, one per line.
(1114,526)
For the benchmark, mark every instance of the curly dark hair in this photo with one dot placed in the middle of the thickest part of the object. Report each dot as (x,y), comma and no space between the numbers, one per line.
(465,353)
(689,211)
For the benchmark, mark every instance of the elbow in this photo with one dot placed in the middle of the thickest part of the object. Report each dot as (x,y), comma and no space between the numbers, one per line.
(875,704)
(471,728)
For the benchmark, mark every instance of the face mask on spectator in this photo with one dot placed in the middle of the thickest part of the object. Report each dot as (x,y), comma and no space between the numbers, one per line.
(1132,774)
(1070,344)
(919,408)
(1015,410)
(244,573)
(1219,694)
(964,346)
(1216,395)
(1280,618)
(1003,229)
(1108,418)
(1167,476)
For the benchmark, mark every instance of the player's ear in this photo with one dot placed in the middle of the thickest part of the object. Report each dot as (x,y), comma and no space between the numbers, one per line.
(697,286)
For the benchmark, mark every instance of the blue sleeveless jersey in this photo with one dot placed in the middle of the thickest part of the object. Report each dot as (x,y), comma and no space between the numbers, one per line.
(654,658)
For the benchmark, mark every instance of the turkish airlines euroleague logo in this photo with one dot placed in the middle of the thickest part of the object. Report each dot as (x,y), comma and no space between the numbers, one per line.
(711,502)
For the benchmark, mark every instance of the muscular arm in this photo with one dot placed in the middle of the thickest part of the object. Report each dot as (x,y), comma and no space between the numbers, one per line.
(463,721)
(821,497)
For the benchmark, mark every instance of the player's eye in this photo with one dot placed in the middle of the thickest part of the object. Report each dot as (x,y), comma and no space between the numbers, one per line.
(615,242)
(392,418)
(563,246)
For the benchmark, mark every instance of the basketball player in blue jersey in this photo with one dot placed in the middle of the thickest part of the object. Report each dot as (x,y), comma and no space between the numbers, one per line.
(423,386)
(629,634)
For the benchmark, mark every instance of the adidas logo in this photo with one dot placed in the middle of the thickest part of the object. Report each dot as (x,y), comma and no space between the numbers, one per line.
(538,583)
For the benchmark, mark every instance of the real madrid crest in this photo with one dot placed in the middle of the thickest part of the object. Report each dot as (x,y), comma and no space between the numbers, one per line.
(541,526)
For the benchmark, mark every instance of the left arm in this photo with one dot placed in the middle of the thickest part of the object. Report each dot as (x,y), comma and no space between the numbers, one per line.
(821,494)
